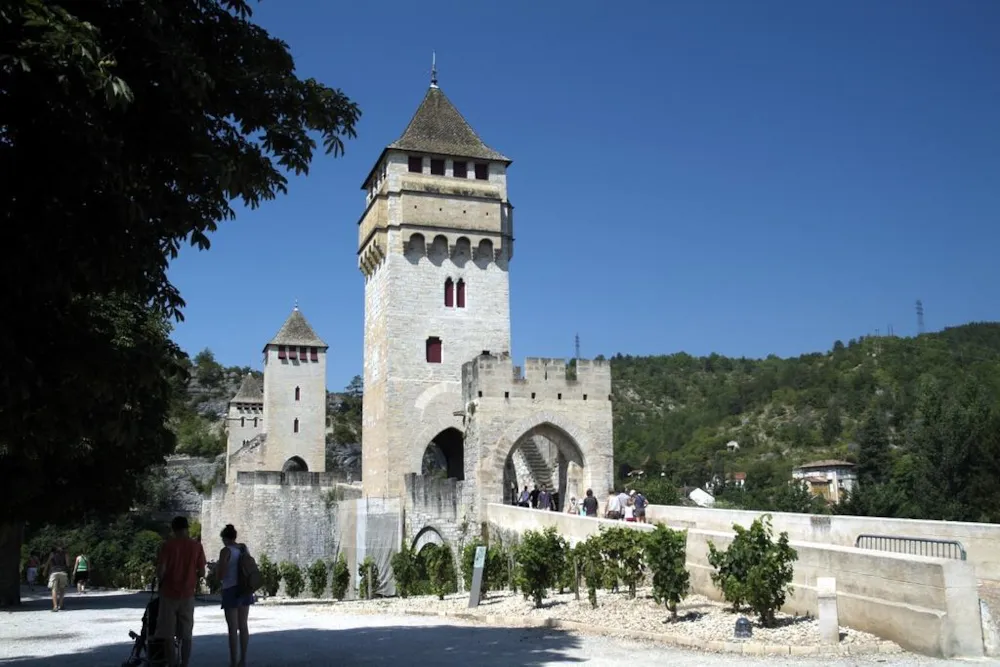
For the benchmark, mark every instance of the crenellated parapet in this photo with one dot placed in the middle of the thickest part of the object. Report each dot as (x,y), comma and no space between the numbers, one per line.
(495,376)
(278,478)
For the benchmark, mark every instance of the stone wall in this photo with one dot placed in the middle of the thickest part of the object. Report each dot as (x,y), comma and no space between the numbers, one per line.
(926,605)
(435,504)
(980,540)
(288,516)
(505,408)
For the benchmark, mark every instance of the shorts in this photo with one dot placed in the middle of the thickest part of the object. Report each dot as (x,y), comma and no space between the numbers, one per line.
(640,513)
(58,581)
(231,598)
(82,576)
(176,618)
(32,575)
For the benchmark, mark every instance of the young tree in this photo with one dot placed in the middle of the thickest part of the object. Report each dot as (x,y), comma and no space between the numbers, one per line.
(126,129)
(666,554)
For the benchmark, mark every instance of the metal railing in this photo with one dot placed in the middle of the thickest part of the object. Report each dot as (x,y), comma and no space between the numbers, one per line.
(914,546)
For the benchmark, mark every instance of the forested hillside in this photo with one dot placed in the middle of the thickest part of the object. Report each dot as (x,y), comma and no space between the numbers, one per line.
(936,395)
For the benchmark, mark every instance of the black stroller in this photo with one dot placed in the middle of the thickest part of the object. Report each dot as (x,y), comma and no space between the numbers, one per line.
(147,651)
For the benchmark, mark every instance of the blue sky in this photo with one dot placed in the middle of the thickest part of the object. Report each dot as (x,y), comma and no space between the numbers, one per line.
(740,177)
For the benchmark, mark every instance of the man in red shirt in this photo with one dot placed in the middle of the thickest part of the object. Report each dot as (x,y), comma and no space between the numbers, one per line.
(180,565)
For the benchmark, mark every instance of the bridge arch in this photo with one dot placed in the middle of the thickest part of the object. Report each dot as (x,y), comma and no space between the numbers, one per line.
(295,464)
(427,535)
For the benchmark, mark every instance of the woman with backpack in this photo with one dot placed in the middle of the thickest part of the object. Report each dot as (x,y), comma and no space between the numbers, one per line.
(236,598)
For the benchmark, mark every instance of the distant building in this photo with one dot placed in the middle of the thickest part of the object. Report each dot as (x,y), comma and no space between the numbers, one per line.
(732,446)
(828,479)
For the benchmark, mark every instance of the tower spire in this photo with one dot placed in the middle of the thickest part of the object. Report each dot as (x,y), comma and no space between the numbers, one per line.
(434,71)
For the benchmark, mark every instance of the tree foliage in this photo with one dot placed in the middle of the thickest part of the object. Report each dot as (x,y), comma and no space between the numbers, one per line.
(319,576)
(404,570)
(270,574)
(341,579)
(127,129)
(540,560)
(291,574)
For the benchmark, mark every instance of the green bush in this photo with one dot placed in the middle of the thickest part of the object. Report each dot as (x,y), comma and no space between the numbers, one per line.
(666,555)
(441,570)
(754,571)
(541,556)
(292,576)
(592,566)
(404,570)
(318,574)
(341,579)
(623,551)
(495,574)
(368,571)
(270,574)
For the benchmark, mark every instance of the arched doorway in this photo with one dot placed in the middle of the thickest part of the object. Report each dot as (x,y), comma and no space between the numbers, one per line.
(295,464)
(444,456)
(547,457)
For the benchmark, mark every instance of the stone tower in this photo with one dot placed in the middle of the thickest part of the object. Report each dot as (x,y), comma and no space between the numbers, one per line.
(245,418)
(434,244)
(295,398)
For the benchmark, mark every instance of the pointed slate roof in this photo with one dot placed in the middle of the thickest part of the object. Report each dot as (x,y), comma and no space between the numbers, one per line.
(438,127)
(249,391)
(296,331)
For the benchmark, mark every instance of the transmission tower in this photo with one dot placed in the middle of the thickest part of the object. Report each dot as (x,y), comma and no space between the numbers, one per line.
(576,340)
(920,317)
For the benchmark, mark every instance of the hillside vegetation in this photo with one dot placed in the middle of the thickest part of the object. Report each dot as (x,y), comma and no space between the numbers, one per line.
(936,395)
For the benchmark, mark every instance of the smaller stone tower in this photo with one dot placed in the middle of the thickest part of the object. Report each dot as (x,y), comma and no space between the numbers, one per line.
(295,398)
(245,419)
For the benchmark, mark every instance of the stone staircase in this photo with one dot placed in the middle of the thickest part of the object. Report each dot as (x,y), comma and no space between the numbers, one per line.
(532,459)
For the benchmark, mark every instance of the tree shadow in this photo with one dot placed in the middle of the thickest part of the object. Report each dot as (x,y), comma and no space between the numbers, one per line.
(389,645)
(41,599)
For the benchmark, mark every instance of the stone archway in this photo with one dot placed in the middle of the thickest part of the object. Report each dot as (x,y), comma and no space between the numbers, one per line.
(444,455)
(427,535)
(295,464)
(544,456)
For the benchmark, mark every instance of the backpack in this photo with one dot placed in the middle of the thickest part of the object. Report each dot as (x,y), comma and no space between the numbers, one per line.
(248,578)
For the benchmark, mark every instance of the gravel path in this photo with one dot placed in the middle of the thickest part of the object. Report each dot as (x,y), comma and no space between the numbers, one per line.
(93,631)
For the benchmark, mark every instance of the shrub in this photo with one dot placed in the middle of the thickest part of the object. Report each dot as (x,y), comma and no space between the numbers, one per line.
(341,579)
(592,567)
(404,570)
(754,571)
(270,574)
(292,576)
(318,573)
(623,551)
(666,554)
(441,570)
(145,546)
(541,557)
(494,569)
(368,571)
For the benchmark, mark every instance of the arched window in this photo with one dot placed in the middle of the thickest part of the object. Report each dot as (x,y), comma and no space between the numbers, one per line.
(449,293)
(295,425)
(243,421)
(460,294)
(297,393)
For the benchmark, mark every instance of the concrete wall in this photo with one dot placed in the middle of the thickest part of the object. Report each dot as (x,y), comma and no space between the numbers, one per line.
(981,540)
(283,515)
(927,605)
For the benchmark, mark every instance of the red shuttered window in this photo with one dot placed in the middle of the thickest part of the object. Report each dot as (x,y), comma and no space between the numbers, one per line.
(434,350)
(313,354)
(303,353)
(281,352)
(293,353)
(460,294)
(460,169)
(449,293)
(415,164)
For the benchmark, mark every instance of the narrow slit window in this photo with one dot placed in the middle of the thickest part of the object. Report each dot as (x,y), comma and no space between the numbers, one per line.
(482,171)
(415,164)
(449,293)
(295,425)
(558,397)
(255,422)
(460,169)
(434,350)
(243,421)
(460,293)
(297,393)
(437,167)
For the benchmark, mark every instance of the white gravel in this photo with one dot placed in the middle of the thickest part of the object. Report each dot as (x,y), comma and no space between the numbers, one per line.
(698,617)
(93,631)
